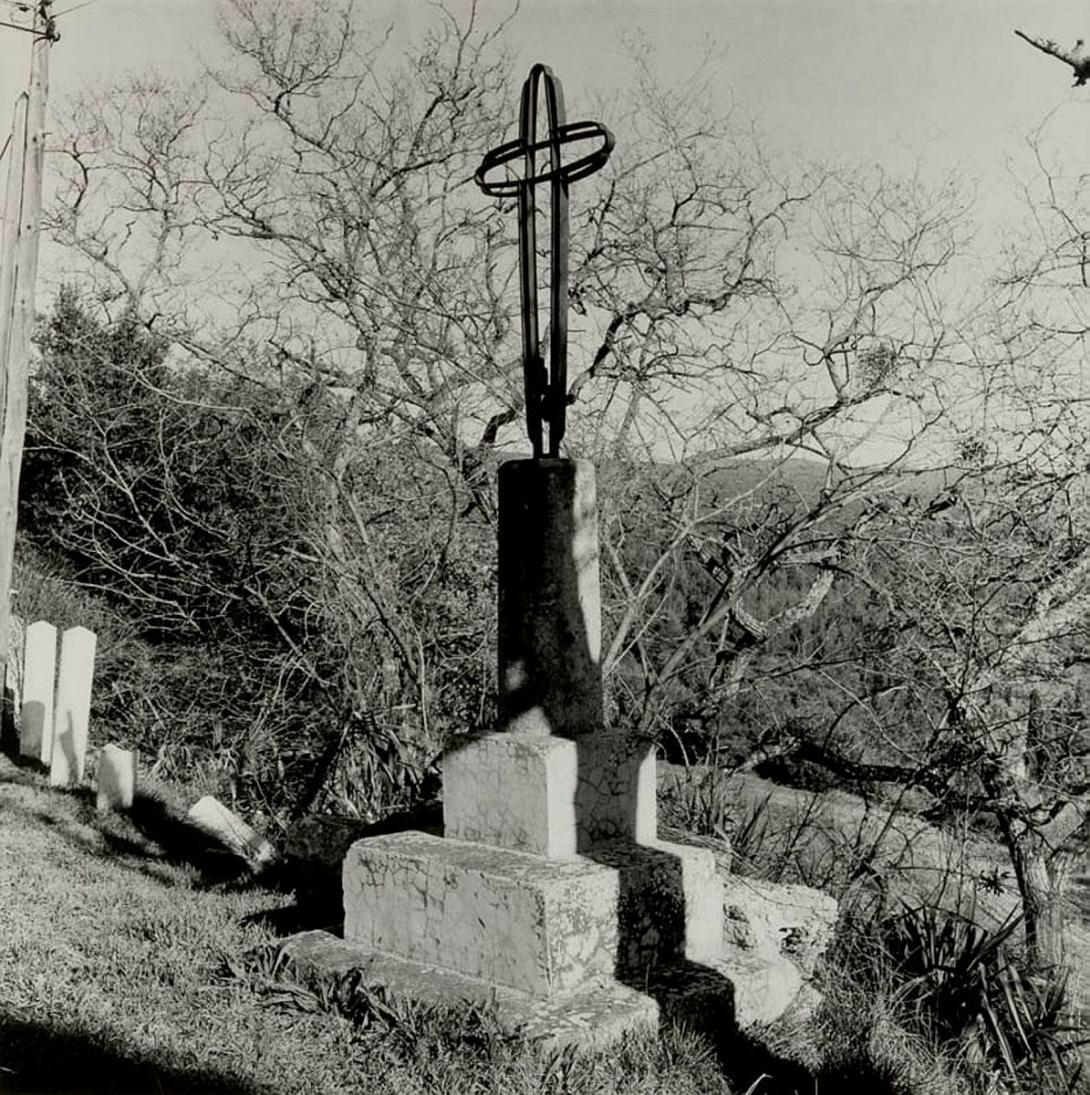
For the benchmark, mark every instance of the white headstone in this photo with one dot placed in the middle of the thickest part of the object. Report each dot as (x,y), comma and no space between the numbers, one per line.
(39,685)
(212,817)
(13,680)
(73,707)
(116,779)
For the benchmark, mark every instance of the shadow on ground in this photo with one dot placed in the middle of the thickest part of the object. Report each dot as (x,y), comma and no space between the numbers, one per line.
(310,866)
(150,837)
(36,1059)
(753,1068)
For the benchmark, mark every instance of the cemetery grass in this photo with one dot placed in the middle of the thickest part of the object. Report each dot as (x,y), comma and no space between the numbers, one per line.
(127,965)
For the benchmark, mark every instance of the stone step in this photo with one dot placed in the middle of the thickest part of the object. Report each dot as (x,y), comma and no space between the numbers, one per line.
(536,925)
(596,1012)
(514,919)
(735,993)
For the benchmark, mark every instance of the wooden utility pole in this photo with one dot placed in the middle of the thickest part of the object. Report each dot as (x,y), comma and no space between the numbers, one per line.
(9,241)
(18,273)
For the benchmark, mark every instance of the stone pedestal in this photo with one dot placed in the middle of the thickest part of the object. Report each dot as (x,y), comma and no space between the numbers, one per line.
(548,795)
(549,890)
(550,633)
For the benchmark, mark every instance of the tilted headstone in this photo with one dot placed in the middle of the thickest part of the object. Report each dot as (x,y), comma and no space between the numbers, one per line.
(72,710)
(116,779)
(214,819)
(39,686)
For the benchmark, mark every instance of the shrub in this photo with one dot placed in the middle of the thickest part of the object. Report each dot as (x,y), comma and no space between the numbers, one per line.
(965,983)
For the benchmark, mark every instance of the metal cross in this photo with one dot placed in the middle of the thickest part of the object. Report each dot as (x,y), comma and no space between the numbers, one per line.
(546,392)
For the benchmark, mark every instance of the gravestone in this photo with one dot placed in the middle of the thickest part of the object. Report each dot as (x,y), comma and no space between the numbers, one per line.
(39,685)
(225,827)
(115,780)
(549,891)
(72,709)
(11,710)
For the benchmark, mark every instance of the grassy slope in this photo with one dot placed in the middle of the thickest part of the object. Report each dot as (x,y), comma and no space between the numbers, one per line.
(111,960)
(123,971)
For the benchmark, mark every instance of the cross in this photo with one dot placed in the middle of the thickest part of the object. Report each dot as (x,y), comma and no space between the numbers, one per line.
(546,392)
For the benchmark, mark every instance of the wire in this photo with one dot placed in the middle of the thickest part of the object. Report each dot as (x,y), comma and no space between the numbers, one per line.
(68,11)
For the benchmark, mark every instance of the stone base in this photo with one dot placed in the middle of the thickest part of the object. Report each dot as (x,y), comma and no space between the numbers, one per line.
(531,924)
(595,1013)
(535,925)
(548,795)
(732,994)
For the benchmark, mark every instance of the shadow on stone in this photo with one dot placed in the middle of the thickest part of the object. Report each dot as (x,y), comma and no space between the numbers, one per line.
(9,735)
(37,1058)
(669,901)
(311,864)
(657,930)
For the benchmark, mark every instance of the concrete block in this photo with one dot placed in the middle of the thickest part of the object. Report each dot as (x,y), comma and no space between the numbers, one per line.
(115,780)
(615,797)
(39,686)
(779,920)
(549,796)
(539,926)
(72,711)
(513,791)
(670,904)
(533,924)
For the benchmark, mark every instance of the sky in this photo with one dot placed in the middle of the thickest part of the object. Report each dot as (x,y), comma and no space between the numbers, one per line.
(870,81)
(927,85)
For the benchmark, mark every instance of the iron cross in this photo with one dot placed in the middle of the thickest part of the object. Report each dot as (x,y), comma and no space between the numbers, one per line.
(546,391)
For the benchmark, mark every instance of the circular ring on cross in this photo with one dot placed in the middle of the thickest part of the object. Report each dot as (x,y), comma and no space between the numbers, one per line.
(545,390)
(569,172)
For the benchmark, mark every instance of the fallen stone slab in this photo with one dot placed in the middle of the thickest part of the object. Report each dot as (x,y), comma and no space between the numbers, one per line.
(216,821)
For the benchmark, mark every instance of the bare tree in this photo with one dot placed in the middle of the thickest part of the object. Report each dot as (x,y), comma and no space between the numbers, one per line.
(304,220)
(1079,62)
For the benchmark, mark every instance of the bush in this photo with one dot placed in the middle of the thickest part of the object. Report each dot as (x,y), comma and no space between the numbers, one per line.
(305,607)
(964,989)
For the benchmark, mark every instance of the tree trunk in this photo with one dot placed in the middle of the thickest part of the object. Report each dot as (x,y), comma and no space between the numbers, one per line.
(1041,887)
